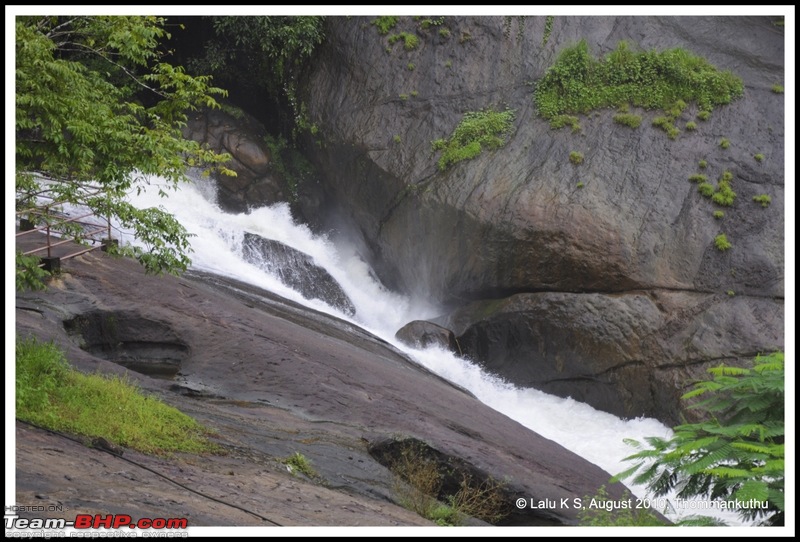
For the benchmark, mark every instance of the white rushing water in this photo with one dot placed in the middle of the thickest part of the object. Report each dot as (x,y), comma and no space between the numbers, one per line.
(594,435)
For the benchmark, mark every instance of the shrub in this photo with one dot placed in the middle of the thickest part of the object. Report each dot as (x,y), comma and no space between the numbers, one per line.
(698,178)
(578,82)
(718,214)
(722,243)
(385,24)
(576,157)
(665,124)
(763,199)
(627,119)
(724,143)
(297,462)
(580,184)
(411,66)
(396,138)
(559,121)
(704,115)
(414,93)
(691,126)
(410,41)
(731,293)
(706,189)
(403,97)
(444,33)
(448,64)
(476,131)
(759,157)
(777,89)
(703,164)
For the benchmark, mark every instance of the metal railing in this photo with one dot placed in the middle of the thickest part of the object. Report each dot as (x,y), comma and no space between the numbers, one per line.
(53,222)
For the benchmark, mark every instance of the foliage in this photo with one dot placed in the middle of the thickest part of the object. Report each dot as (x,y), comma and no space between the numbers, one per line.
(724,194)
(719,214)
(598,511)
(426,23)
(385,24)
(559,121)
(736,453)
(414,93)
(410,41)
(477,130)
(628,119)
(97,112)
(579,83)
(403,97)
(52,394)
(576,157)
(418,484)
(777,89)
(724,143)
(722,243)
(444,33)
(548,28)
(706,189)
(397,138)
(691,126)
(29,275)
(703,164)
(580,184)
(297,462)
(448,64)
(704,115)
(759,157)
(289,163)
(698,178)
(763,199)
(411,66)
(665,124)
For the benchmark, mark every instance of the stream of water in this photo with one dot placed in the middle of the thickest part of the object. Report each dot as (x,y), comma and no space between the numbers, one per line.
(594,435)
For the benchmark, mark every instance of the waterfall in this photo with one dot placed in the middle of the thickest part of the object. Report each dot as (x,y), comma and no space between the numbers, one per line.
(218,247)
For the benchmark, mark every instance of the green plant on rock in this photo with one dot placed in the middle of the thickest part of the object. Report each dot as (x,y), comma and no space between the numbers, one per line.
(759,157)
(411,66)
(719,214)
(444,33)
(703,164)
(397,138)
(777,89)
(576,157)
(731,293)
(297,462)
(724,194)
(667,80)
(724,143)
(737,452)
(448,64)
(691,126)
(704,115)
(410,41)
(763,199)
(548,28)
(627,119)
(385,24)
(414,93)
(559,121)
(665,124)
(403,97)
(698,178)
(580,184)
(476,131)
(722,243)
(706,189)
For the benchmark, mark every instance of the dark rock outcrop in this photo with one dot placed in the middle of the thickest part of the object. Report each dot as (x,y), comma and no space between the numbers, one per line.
(421,334)
(630,355)
(296,270)
(514,220)
(255,183)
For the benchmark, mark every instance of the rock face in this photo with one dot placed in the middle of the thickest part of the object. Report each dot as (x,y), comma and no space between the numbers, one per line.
(515,220)
(272,379)
(422,334)
(296,270)
(255,183)
(630,355)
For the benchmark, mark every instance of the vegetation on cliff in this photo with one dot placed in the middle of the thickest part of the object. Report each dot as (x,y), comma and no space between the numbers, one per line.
(476,131)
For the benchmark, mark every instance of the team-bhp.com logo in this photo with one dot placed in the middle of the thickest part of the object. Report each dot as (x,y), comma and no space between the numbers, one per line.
(96,521)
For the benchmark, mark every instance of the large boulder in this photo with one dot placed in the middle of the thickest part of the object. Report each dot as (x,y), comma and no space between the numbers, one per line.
(515,220)
(256,183)
(422,334)
(631,354)
(296,270)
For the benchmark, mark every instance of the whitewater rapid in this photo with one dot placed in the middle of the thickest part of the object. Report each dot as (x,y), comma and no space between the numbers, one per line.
(217,240)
